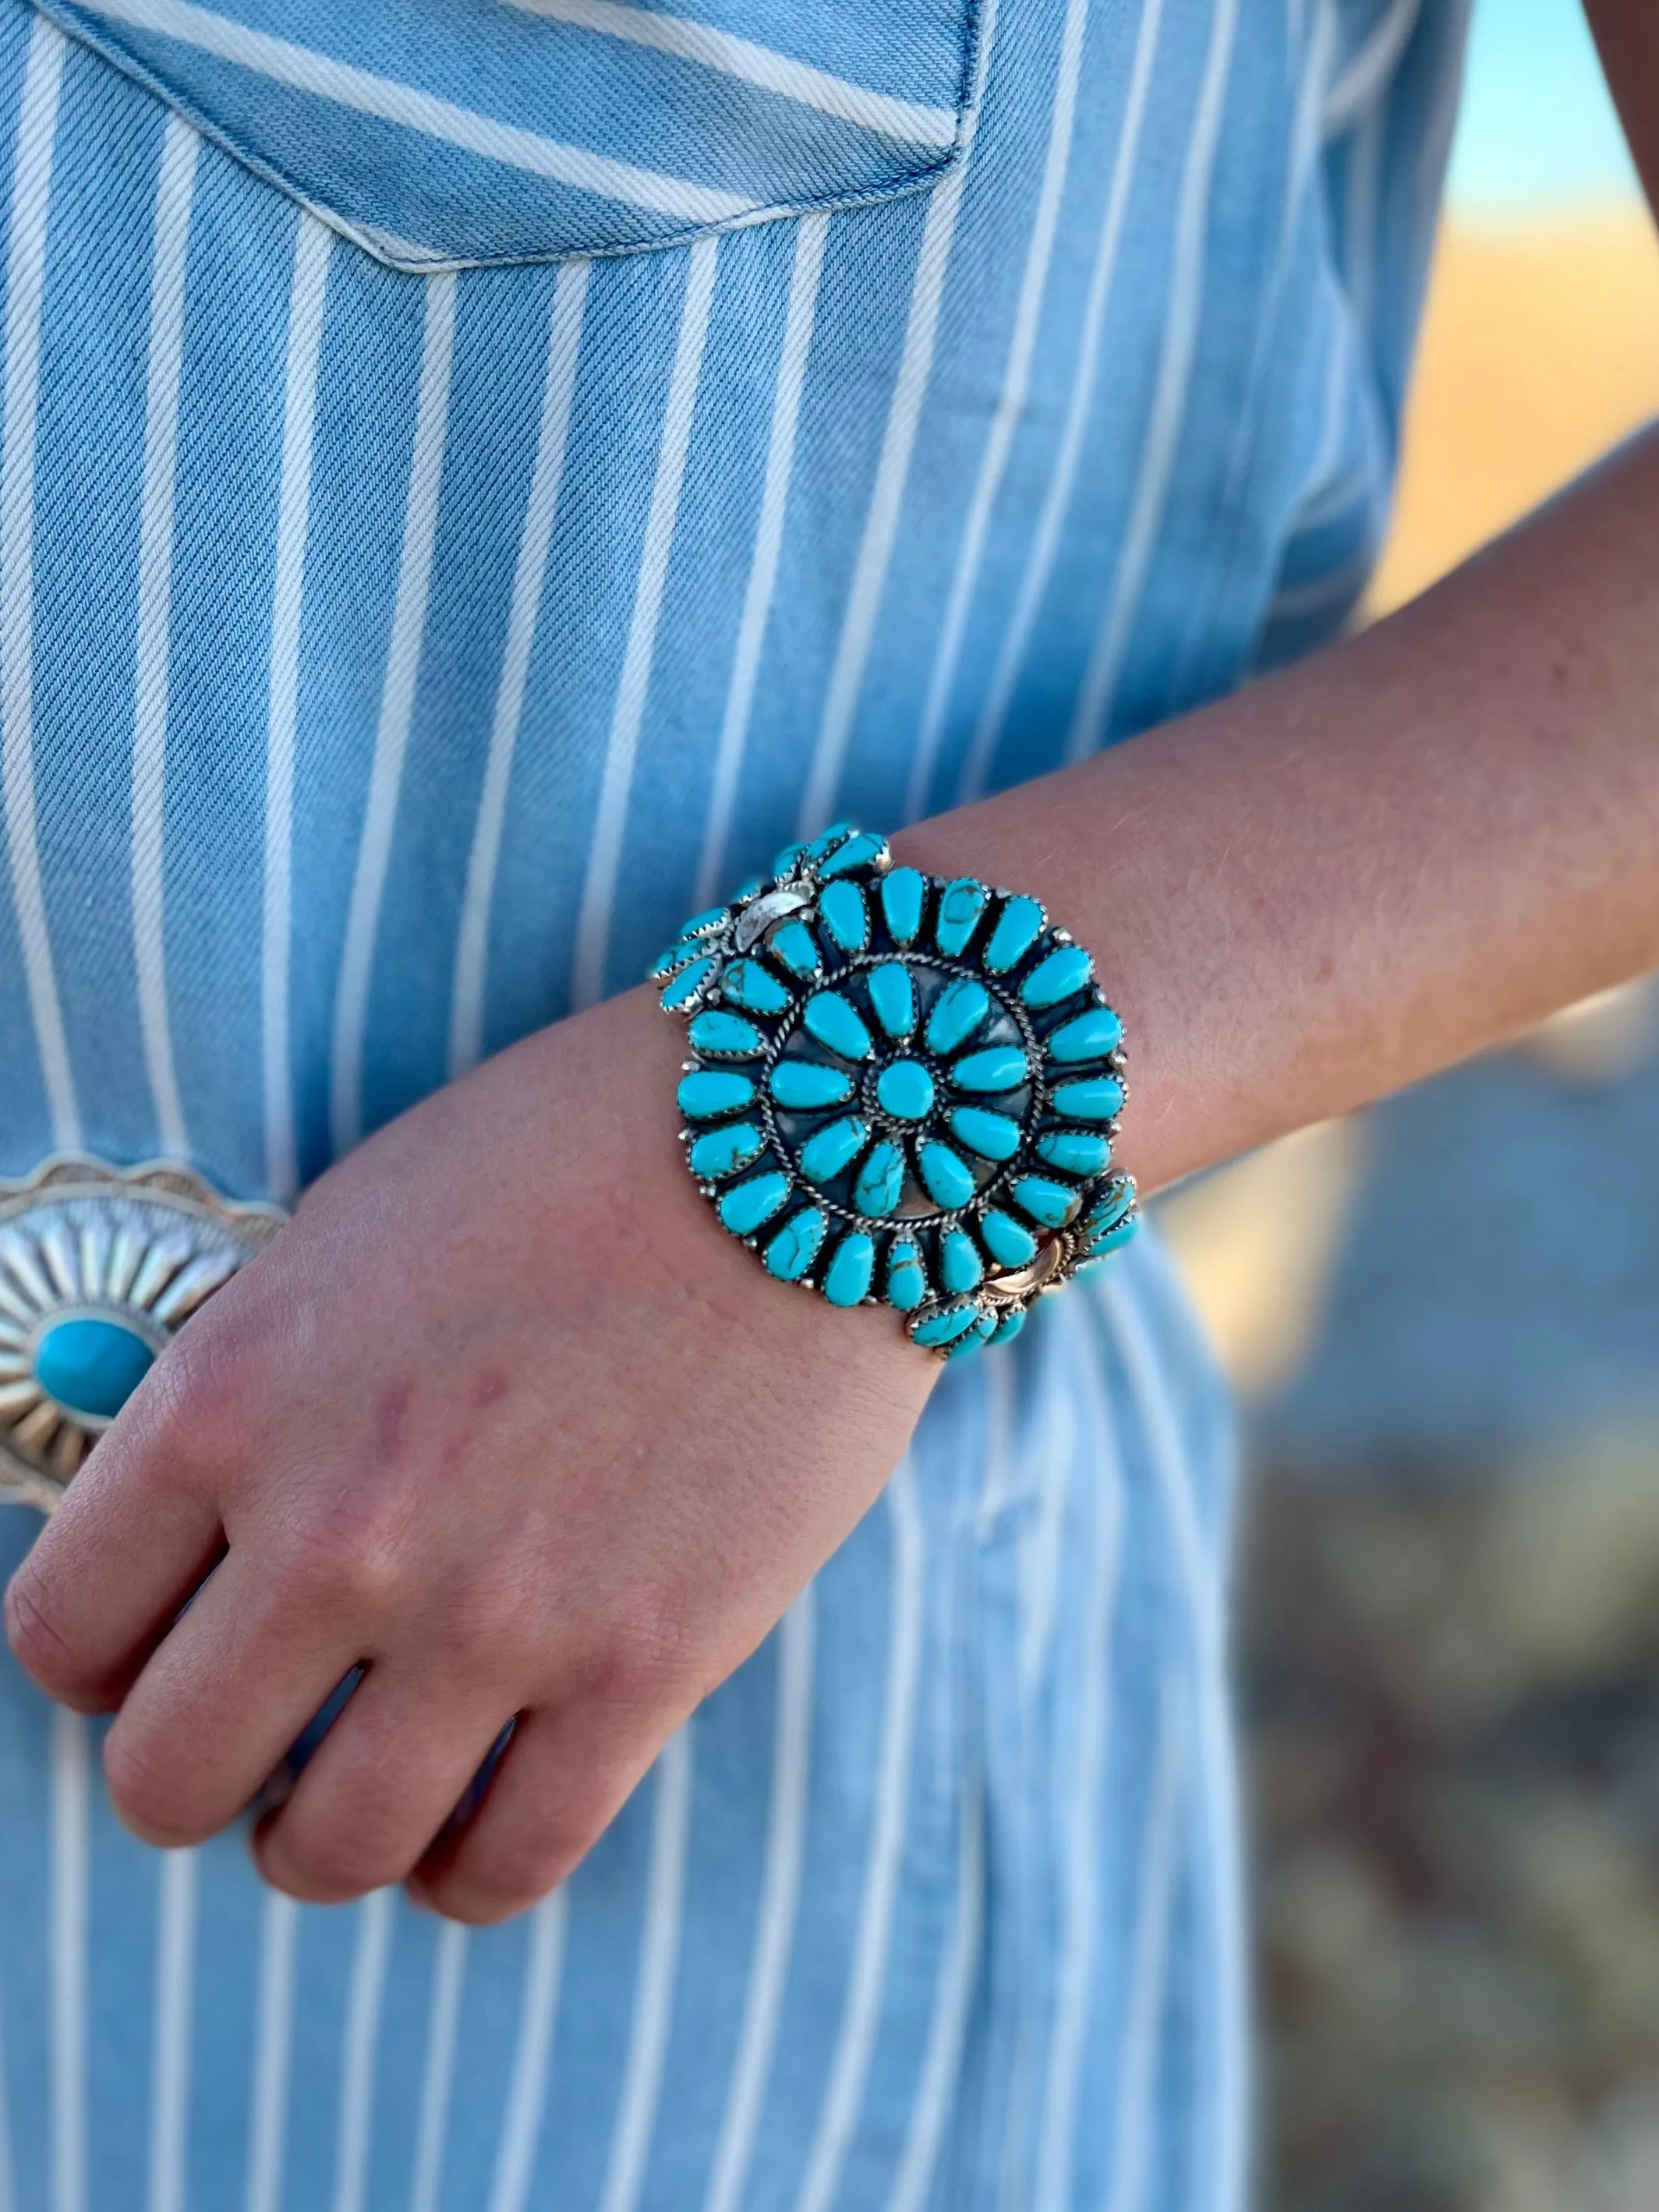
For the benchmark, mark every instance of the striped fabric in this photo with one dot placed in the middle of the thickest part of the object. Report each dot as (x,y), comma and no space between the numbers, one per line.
(473,481)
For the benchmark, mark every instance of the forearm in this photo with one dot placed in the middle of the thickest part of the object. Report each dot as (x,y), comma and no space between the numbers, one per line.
(1411,847)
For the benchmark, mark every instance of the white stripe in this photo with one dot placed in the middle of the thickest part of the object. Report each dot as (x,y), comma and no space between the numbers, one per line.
(174,191)
(654,1992)
(763,562)
(947,2032)
(1137,2087)
(610,818)
(997,1491)
(906,119)
(438,2076)
(1045,545)
(364,2001)
(861,2014)
(305,333)
(1080,1879)
(170,2071)
(1364,77)
(305,70)
(72,1819)
(273,2052)
(1011,406)
(473,938)
(37,131)
(521,2123)
(1158,447)
(775,1919)
(8,2166)
(403,664)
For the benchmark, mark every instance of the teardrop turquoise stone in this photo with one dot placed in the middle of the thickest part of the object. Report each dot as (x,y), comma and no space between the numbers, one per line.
(845,915)
(946,1326)
(960,1266)
(993,1136)
(828,839)
(900,902)
(711,1091)
(1057,977)
(907,1280)
(1079,1151)
(960,906)
(723,1152)
(92,1365)
(1018,926)
(1002,1067)
(949,1180)
(803,1084)
(747,984)
(893,995)
(857,852)
(1050,1203)
(831,1150)
(847,1279)
(727,1035)
(686,985)
(958,1012)
(1101,1100)
(1111,1241)
(905,1090)
(881,1183)
(1010,1243)
(783,863)
(834,1023)
(1010,1325)
(743,1210)
(974,1339)
(1090,1036)
(793,944)
(1110,1207)
(793,1249)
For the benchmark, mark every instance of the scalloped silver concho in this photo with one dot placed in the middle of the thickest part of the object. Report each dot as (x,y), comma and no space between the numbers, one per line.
(139,1247)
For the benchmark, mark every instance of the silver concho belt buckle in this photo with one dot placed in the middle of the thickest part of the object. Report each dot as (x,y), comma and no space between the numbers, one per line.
(99,1267)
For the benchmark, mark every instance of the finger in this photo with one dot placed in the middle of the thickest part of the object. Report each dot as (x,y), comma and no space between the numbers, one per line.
(378,1789)
(227,1692)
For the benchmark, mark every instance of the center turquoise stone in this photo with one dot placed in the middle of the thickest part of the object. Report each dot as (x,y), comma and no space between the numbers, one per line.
(91,1364)
(905,1090)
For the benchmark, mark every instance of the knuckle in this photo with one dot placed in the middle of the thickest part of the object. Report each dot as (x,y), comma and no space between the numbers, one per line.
(43,1650)
(337,1559)
(494,1885)
(148,1792)
(329,1866)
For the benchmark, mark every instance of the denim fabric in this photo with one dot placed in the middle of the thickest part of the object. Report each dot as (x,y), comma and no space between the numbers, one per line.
(388,660)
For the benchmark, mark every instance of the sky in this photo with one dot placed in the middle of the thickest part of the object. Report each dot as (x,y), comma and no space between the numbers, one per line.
(1537,135)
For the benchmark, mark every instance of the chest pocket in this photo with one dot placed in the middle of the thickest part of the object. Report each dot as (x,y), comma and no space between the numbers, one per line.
(445,133)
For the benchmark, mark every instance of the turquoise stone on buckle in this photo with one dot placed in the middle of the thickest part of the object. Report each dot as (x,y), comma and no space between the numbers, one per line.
(903,1088)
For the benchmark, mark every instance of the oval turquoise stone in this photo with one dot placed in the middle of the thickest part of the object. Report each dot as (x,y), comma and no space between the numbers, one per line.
(92,1365)
(1002,1067)
(949,1179)
(1057,977)
(905,1090)
(686,985)
(993,1136)
(1110,1207)
(1090,1036)
(881,1183)
(1009,1243)
(958,1012)
(1100,1100)
(1050,1203)
(804,1084)
(834,1023)
(747,984)
(907,1280)
(893,995)
(827,840)
(711,1091)
(792,1251)
(723,1152)
(845,915)
(960,906)
(832,1149)
(847,1278)
(743,1210)
(727,1037)
(793,944)
(959,1264)
(1079,1151)
(901,894)
(946,1326)
(857,852)
(1018,926)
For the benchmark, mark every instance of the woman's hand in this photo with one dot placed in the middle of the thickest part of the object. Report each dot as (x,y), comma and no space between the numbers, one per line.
(502,1417)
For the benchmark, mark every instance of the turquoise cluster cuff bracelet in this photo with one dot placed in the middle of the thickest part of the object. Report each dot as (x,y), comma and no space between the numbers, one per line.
(902,1090)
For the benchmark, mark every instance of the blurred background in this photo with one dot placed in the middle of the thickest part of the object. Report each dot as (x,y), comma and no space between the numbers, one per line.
(1443,1317)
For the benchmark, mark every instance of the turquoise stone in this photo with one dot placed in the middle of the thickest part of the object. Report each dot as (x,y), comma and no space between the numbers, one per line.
(833,1148)
(844,914)
(881,1183)
(907,1280)
(1001,1067)
(1057,977)
(959,1264)
(1079,1151)
(827,840)
(1110,1207)
(748,889)
(958,1012)
(723,1152)
(1009,1326)
(1090,1036)
(743,1210)
(901,894)
(1050,1203)
(946,1326)
(724,1037)
(783,863)
(92,1365)
(960,906)
(857,852)
(893,995)
(905,1090)
(681,950)
(793,944)
(1018,926)
(747,984)
(1100,1099)
(993,1136)
(710,918)
(834,1023)
(792,1251)
(1112,1241)
(713,1091)
(804,1084)
(973,1340)
(847,1279)
(1009,1243)
(949,1179)
(686,985)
